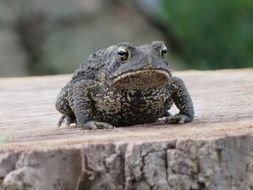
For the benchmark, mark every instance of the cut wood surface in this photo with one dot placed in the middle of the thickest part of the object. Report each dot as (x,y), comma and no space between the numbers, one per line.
(223,102)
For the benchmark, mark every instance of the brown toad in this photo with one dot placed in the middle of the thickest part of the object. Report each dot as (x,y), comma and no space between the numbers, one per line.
(124,85)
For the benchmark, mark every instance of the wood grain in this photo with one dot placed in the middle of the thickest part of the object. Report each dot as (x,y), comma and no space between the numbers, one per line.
(223,103)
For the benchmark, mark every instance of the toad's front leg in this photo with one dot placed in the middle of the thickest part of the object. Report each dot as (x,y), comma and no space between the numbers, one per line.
(81,104)
(182,100)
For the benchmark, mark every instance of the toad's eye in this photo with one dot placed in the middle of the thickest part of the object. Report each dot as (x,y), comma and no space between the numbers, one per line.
(122,53)
(163,51)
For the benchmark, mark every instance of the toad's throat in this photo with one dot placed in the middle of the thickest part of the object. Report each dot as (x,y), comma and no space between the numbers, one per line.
(142,79)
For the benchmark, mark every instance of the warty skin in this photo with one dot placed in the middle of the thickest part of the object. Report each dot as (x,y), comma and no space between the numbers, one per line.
(124,85)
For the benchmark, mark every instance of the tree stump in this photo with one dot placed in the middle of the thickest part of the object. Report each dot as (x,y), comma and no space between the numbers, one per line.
(215,151)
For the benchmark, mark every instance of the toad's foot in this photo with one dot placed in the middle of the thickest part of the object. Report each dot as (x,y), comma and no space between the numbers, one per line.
(178,119)
(91,125)
(67,119)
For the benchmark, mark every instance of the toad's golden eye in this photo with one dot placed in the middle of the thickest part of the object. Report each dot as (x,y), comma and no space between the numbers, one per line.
(163,51)
(122,53)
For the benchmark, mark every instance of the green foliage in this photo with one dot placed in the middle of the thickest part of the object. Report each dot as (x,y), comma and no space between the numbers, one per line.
(215,34)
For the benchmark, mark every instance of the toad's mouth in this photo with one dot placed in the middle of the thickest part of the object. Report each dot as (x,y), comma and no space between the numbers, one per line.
(142,79)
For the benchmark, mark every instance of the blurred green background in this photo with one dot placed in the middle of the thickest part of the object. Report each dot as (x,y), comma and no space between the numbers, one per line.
(52,37)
